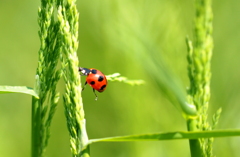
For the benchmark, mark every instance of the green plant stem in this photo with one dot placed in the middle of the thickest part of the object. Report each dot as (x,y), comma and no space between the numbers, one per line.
(85,151)
(195,147)
(35,127)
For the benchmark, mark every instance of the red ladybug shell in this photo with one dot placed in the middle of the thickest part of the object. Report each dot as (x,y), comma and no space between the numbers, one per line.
(95,78)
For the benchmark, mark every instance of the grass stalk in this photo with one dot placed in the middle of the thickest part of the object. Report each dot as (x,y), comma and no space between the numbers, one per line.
(76,123)
(199,59)
(47,76)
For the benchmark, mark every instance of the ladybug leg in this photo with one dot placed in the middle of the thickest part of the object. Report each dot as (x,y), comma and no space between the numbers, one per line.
(94,91)
(84,85)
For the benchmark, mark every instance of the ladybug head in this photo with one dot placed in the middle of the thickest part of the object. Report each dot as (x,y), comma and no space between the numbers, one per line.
(84,71)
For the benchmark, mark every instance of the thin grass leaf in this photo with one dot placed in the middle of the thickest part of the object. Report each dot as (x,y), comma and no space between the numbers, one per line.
(138,41)
(178,135)
(18,89)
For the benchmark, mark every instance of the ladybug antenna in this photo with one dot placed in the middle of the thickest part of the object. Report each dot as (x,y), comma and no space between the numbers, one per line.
(95,94)
(80,68)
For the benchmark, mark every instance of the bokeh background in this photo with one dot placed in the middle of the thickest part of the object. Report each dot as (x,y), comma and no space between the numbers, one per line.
(120,36)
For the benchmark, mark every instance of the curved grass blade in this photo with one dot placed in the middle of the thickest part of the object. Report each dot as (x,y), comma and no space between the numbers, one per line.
(18,89)
(178,135)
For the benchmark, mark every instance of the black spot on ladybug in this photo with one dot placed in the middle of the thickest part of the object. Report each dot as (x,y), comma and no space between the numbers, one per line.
(103,86)
(94,71)
(100,78)
(92,82)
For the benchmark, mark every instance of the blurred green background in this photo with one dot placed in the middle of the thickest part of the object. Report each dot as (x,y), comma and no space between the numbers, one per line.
(120,36)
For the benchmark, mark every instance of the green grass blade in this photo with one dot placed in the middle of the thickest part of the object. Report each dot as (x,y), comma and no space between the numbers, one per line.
(170,136)
(18,89)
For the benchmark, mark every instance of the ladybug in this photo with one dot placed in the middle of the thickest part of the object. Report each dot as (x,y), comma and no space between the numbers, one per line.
(95,78)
